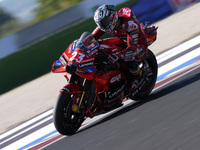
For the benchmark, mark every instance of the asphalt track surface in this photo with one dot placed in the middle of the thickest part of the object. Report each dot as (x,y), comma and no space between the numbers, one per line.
(167,120)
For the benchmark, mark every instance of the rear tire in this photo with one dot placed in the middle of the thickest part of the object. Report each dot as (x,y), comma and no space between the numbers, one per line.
(149,85)
(65,120)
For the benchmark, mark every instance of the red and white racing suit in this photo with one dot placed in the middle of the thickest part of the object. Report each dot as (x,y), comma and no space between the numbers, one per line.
(133,40)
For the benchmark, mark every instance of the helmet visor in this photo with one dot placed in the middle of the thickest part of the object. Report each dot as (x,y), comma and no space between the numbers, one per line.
(105,22)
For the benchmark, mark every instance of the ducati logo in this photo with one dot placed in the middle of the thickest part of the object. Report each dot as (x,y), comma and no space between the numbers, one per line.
(116,78)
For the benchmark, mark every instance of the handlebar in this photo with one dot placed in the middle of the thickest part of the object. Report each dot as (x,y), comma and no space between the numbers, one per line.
(101,62)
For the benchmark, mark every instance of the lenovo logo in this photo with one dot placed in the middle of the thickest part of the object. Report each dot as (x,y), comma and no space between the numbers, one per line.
(86,64)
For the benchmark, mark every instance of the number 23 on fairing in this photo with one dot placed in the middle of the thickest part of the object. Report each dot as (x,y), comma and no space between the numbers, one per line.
(77,56)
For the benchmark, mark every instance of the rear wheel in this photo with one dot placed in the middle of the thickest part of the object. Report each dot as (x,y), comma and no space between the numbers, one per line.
(152,68)
(65,120)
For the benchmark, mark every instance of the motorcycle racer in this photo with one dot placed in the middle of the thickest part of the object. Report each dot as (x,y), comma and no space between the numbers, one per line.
(130,36)
(96,86)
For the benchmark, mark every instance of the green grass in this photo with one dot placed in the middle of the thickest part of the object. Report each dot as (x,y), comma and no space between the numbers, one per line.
(36,59)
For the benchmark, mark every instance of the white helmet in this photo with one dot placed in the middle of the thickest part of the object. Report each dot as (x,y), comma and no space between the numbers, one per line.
(106,18)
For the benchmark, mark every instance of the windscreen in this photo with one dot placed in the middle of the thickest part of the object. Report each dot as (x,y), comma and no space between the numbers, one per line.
(83,36)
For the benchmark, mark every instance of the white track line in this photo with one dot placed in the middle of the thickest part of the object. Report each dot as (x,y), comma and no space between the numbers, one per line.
(26,123)
(35,125)
(30,138)
(178,49)
(179,61)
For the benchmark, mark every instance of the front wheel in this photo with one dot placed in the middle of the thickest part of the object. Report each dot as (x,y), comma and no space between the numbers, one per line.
(151,68)
(65,120)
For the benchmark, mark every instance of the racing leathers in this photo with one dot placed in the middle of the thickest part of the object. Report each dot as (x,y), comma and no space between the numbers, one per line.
(132,40)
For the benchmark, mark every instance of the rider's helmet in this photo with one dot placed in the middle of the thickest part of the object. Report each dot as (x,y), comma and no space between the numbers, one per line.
(106,18)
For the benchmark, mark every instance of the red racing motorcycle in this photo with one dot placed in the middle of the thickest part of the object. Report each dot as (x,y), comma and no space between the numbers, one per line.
(95,86)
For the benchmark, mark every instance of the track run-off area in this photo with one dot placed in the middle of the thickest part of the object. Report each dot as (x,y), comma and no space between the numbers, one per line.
(39,132)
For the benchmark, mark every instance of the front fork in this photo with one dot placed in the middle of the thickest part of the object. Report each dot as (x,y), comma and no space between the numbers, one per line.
(86,85)
(80,105)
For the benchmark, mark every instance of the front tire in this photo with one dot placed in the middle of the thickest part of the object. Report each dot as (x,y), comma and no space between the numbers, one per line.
(65,120)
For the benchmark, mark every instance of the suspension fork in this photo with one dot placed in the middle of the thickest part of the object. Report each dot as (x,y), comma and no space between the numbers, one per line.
(81,101)
(86,86)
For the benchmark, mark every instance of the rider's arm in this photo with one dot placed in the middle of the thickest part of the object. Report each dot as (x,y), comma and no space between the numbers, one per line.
(97,33)
(136,42)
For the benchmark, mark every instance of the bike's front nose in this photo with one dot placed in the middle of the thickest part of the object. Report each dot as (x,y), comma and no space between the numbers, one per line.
(58,67)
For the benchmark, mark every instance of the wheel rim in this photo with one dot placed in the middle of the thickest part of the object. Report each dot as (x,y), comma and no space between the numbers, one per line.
(70,118)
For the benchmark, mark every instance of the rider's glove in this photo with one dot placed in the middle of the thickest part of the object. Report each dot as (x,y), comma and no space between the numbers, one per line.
(129,54)
(140,54)
(113,58)
(133,53)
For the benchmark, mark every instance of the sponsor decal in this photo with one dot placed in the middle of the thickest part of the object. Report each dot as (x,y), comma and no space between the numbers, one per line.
(116,78)
(94,47)
(88,60)
(135,36)
(138,89)
(114,99)
(70,49)
(134,32)
(91,49)
(116,93)
(132,26)
(135,41)
(88,52)
(125,11)
(63,60)
(93,52)
(91,69)
(86,64)
(65,56)
(139,50)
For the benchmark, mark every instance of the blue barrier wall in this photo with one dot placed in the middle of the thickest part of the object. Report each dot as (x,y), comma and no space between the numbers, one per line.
(151,10)
(154,10)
